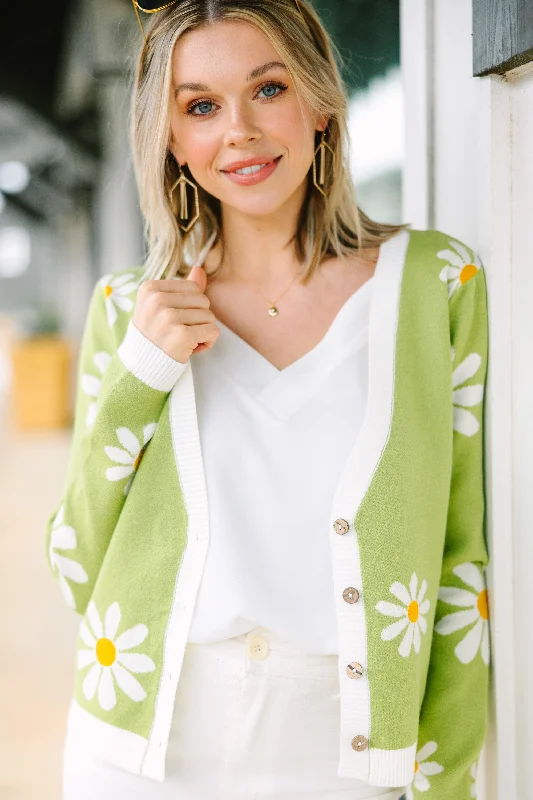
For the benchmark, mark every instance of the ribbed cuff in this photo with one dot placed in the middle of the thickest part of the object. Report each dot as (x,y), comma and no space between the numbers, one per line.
(148,362)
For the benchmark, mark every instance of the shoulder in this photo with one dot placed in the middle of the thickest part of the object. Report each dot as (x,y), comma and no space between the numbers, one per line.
(121,283)
(446,252)
(447,260)
(441,245)
(112,303)
(459,270)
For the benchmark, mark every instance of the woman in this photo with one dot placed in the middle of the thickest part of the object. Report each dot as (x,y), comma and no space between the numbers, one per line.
(262,509)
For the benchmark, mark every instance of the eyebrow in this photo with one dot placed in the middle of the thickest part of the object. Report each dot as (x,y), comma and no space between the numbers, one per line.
(255,73)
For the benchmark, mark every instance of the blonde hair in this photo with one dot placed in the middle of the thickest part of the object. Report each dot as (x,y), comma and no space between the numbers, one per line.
(327,226)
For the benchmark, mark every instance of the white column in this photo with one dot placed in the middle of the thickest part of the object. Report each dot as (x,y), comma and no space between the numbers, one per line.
(491,220)
(520,87)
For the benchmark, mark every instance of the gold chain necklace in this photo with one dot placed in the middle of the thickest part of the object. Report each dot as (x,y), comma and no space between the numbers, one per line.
(272,307)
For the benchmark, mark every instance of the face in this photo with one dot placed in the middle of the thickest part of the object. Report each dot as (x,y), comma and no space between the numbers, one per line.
(238,115)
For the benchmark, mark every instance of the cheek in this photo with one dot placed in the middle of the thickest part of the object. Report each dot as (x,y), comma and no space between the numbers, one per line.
(196,147)
(201,151)
(288,124)
(295,133)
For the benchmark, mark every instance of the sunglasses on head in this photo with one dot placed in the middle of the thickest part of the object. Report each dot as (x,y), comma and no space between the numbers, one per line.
(149,7)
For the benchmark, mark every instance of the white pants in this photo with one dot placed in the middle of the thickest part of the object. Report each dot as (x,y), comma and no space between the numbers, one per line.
(254,719)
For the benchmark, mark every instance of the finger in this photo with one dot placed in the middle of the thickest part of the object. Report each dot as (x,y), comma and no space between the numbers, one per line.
(198,275)
(186,299)
(173,285)
(192,316)
(205,334)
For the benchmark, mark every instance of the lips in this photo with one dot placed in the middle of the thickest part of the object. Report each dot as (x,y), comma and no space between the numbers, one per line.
(255,177)
(250,162)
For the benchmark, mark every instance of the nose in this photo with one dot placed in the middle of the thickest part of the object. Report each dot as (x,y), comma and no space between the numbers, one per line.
(242,127)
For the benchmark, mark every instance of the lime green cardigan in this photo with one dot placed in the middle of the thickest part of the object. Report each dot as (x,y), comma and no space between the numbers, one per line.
(128,540)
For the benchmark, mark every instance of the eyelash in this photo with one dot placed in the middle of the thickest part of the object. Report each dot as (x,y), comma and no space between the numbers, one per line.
(278,85)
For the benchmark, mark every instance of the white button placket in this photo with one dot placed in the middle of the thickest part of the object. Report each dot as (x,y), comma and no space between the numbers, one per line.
(355,751)
(189,463)
(353,680)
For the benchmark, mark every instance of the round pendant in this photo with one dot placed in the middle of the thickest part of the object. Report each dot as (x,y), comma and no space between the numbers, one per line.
(273,311)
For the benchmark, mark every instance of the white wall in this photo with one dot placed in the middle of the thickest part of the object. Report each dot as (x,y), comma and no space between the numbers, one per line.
(518,222)
(469,172)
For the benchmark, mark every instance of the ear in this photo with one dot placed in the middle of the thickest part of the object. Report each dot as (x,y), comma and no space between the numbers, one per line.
(322,122)
(176,153)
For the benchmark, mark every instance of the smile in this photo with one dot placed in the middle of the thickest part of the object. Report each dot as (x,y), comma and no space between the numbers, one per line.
(251,175)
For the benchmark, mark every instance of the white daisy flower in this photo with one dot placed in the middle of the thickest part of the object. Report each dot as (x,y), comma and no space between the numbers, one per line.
(116,290)
(131,456)
(91,385)
(473,773)
(463,420)
(63,537)
(110,659)
(411,614)
(460,267)
(424,768)
(477,606)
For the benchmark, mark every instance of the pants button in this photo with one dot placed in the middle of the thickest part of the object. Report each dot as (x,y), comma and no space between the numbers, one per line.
(258,648)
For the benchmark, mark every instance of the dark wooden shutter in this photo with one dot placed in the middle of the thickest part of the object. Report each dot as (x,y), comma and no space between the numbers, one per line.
(503,35)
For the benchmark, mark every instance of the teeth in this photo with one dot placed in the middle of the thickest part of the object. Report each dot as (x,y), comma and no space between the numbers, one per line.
(250,170)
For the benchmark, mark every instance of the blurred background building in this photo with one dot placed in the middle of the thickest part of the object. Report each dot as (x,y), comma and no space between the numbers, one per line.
(441,118)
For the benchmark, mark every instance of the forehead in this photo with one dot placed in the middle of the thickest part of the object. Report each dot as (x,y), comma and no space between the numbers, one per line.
(227,48)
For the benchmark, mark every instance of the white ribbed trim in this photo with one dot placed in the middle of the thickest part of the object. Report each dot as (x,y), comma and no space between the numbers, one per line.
(186,443)
(352,487)
(148,362)
(392,767)
(123,748)
(127,750)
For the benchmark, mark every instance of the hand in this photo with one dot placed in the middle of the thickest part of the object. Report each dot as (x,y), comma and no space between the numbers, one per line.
(175,315)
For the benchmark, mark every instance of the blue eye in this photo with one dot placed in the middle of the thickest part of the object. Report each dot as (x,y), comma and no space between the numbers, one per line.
(270,85)
(199,105)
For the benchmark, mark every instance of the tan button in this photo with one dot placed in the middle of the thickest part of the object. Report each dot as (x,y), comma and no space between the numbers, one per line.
(354,670)
(258,648)
(340,526)
(351,595)
(359,743)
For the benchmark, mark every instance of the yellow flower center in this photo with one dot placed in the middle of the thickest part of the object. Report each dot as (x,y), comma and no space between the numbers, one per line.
(483,604)
(139,459)
(412,611)
(106,652)
(416,766)
(467,272)
(108,290)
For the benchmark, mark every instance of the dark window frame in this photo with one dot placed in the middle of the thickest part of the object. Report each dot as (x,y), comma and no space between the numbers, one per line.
(502,35)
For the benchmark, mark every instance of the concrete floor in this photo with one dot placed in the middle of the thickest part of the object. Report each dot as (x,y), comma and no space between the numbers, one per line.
(37,629)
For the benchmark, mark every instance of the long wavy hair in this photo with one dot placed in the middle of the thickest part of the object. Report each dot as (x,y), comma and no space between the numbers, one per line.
(327,226)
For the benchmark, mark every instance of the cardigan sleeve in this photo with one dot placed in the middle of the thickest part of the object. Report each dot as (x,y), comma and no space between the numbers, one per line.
(454,710)
(122,386)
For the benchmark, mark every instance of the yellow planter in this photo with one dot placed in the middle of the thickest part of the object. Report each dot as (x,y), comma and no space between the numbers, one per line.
(41,382)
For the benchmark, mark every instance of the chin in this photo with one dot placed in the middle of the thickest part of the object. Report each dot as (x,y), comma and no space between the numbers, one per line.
(260,206)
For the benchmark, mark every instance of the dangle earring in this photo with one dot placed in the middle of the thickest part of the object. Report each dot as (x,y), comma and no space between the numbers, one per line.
(183,205)
(322,171)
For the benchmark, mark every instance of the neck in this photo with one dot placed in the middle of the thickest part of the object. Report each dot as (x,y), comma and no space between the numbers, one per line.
(258,249)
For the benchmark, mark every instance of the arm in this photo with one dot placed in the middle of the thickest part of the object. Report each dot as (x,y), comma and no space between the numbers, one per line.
(123,384)
(453,715)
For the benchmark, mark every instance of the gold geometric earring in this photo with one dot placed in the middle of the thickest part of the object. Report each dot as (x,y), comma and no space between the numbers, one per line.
(183,206)
(322,174)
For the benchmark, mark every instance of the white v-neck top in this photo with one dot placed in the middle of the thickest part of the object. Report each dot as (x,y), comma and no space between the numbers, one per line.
(274,444)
